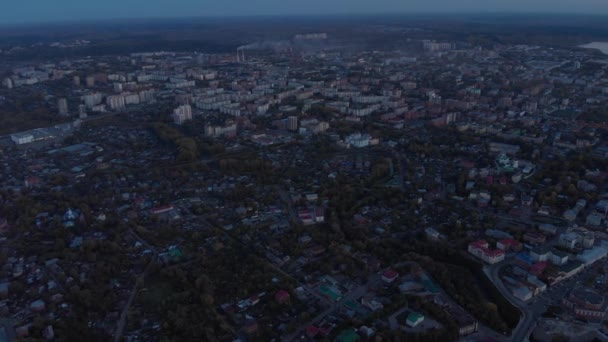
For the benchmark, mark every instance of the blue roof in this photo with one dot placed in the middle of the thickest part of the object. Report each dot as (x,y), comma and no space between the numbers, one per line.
(525,257)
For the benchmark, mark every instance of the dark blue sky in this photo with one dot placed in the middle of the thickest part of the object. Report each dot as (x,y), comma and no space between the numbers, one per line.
(16,11)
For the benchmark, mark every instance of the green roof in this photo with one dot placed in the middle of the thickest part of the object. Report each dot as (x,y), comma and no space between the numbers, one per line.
(414,317)
(330,292)
(348,335)
(430,286)
(175,253)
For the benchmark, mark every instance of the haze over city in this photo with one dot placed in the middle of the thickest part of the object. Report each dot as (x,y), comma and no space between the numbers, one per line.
(12,11)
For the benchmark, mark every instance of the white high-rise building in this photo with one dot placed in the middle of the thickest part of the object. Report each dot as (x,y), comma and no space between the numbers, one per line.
(146,96)
(131,99)
(182,114)
(292,123)
(82,111)
(62,104)
(434,46)
(116,102)
(92,100)
(8,83)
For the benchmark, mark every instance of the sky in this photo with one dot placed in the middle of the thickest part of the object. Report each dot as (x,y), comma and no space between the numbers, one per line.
(28,11)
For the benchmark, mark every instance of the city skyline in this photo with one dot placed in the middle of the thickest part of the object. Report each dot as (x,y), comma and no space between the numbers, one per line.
(68,10)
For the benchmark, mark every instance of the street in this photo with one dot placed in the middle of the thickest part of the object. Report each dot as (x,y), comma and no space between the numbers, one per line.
(535,307)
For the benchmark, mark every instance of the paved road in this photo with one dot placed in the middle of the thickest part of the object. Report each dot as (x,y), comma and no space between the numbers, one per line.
(530,313)
(534,308)
(120,326)
(123,316)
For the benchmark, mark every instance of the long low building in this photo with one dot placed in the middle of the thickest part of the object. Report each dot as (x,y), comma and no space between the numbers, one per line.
(46,133)
(22,138)
(586,304)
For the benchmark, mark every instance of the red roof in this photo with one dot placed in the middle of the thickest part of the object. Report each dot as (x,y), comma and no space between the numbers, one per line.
(510,242)
(32,179)
(539,267)
(312,331)
(325,331)
(479,244)
(390,274)
(162,209)
(304,212)
(281,296)
(493,253)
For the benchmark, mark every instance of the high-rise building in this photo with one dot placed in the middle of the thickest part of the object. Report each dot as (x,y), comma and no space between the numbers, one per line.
(146,96)
(82,111)
(62,104)
(90,81)
(91,100)
(76,81)
(116,102)
(292,123)
(182,114)
(433,46)
(8,83)
(131,99)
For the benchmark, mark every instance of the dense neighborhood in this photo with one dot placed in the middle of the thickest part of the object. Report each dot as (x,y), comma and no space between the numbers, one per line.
(451,191)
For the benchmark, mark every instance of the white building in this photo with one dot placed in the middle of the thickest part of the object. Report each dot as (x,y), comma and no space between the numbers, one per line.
(522,293)
(8,83)
(92,100)
(131,99)
(62,105)
(568,240)
(559,258)
(541,286)
(99,108)
(82,111)
(292,123)
(22,138)
(182,114)
(358,140)
(433,46)
(217,131)
(116,102)
(146,96)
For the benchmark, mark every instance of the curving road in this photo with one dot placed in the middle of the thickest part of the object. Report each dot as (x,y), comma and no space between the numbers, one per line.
(535,307)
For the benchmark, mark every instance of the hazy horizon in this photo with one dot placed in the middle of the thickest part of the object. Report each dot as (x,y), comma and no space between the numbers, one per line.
(41,11)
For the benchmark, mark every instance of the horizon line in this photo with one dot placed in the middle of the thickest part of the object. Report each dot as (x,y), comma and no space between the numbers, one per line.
(342,15)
